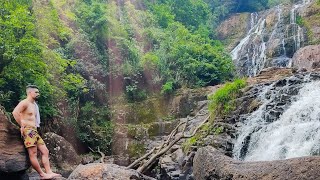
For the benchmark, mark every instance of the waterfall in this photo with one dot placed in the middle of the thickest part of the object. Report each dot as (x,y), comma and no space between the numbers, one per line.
(282,40)
(258,49)
(295,133)
(235,52)
(297,30)
(254,19)
(282,60)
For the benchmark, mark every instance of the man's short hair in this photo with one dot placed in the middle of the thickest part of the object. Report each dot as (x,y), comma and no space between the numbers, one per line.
(31,86)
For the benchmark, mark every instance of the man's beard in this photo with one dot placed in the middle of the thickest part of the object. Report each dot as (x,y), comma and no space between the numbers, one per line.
(36,98)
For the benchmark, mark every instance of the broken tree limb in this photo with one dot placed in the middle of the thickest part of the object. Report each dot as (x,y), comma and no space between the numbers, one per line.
(146,165)
(173,133)
(141,158)
(152,156)
(101,154)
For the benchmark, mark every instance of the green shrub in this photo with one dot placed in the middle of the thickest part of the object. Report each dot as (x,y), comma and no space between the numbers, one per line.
(134,94)
(223,100)
(168,88)
(94,127)
(136,132)
(299,20)
(217,130)
(5,97)
(191,142)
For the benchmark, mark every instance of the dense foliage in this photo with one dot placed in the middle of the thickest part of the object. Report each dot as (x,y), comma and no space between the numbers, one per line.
(21,57)
(93,128)
(191,59)
(91,16)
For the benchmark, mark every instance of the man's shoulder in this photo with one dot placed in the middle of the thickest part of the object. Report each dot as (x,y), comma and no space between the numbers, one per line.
(24,102)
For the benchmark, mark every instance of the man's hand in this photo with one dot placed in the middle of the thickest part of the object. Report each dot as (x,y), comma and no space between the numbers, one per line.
(21,130)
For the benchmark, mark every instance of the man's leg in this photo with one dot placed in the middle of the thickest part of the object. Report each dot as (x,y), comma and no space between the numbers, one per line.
(34,161)
(45,159)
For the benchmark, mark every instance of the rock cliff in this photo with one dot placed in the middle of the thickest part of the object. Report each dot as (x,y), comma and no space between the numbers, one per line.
(13,155)
(272,37)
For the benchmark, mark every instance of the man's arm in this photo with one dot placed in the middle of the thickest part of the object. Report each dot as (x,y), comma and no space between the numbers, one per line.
(18,110)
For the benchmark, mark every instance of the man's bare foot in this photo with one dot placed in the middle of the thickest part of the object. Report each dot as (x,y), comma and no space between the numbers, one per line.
(46,176)
(55,174)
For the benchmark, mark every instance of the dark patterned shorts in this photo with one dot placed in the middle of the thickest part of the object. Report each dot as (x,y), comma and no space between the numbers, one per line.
(31,137)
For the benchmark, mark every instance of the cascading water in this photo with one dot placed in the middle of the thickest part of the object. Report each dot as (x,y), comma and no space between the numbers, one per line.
(257,50)
(295,132)
(283,38)
(296,29)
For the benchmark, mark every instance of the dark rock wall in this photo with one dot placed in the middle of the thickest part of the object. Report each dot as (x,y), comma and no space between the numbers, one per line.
(13,156)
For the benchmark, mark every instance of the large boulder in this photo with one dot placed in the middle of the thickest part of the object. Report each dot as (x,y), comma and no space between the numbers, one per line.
(307,58)
(97,171)
(62,154)
(13,155)
(209,163)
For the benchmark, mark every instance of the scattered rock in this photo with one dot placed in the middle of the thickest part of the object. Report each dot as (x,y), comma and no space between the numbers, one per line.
(105,171)
(35,176)
(62,154)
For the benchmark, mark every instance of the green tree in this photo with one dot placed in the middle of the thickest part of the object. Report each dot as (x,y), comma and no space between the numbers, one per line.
(91,16)
(191,13)
(192,60)
(94,127)
(163,15)
(20,56)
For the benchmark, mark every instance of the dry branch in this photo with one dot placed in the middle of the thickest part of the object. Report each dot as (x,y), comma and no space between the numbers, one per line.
(101,154)
(152,160)
(172,139)
(141,158)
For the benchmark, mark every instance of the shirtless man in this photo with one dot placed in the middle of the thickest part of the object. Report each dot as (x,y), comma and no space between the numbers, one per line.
(25,114)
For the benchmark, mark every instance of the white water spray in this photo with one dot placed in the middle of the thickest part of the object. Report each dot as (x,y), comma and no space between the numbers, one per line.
(296,133)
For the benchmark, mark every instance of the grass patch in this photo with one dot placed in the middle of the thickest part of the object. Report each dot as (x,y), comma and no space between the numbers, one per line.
(191,142)
(223,101)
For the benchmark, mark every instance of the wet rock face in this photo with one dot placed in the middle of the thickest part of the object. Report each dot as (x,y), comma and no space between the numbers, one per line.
(307,58)
(266,44)
(276,98)
(225,128)
(310,16)
(13,155)
(185,103)
(269,38)
(211,164)
(232,30)
(105,171)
